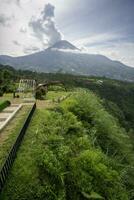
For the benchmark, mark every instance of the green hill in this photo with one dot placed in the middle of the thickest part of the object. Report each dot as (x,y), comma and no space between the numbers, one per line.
(76,150)
(79,144)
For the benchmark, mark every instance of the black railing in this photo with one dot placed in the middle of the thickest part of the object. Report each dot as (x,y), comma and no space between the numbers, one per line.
(12,153)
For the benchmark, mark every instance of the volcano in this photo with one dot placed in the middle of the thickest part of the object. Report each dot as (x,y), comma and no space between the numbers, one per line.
(66,58)
(63,44)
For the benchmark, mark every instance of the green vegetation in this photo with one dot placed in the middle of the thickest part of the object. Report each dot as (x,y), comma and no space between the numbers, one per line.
(7,79)
(118,100)
(80,143)
(41,93)
(76,151)
(118,96)
(56,95)
(4,104)
(9,134)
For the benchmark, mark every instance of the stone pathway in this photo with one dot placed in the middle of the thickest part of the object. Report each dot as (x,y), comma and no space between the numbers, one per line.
(8,113)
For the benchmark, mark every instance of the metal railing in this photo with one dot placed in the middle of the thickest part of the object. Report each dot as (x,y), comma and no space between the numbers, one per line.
(13,151)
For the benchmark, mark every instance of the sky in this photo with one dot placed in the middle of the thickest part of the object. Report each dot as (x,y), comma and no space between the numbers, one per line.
(95,26)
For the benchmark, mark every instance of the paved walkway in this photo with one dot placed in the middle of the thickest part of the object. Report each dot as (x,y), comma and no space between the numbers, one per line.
(8,113)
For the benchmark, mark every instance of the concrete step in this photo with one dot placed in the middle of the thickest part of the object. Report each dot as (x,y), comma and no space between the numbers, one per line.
(8,113)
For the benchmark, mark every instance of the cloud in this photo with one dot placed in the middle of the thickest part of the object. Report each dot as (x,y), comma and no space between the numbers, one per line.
(16,43)
(48,11)
(23,29)
(13,1)
(113,45)
(32,49)
(117,50)
(76,51)
(44,27)
(98,39)
(18,1)
(4,20)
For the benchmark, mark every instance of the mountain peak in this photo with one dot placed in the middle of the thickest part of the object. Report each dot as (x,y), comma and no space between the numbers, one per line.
(63,44)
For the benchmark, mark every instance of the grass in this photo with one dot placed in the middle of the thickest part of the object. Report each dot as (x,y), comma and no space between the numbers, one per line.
(7,96)
(51,99)
(9,133)
(26,155)
(53,95)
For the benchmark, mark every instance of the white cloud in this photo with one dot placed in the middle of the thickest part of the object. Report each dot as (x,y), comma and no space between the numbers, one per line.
(16,43)
(44,26)
(67,50)
(121,51)
(23,29)
(111,45)
(19,29)
(29,50)
(97,39)
(5,20)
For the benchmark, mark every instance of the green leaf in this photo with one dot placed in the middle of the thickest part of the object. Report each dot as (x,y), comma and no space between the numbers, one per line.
(93,195)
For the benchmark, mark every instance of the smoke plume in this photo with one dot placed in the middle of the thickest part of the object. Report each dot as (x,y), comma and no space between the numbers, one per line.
(44,27)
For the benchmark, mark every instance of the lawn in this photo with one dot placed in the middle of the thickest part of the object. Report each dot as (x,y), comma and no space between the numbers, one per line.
(7,96)
(54,95)
(9,133)
(24,169)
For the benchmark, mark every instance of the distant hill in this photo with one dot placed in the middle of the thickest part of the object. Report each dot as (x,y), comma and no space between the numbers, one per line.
(66,58)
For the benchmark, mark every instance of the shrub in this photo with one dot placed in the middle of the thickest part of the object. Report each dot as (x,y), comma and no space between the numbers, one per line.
(108,135)
(70,166)
(1,93)
(4,104)
(91,173)
(41,93)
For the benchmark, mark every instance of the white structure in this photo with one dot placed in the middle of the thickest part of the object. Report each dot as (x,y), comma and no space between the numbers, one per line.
(27,89)
(8,113)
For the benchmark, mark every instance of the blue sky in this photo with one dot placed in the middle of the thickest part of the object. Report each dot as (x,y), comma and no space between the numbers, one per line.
(96,26)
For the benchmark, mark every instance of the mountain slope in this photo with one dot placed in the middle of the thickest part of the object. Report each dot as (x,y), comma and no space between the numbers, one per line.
(67,58)
(63,44)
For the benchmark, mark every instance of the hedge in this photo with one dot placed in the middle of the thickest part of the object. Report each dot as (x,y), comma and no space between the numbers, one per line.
(4,104)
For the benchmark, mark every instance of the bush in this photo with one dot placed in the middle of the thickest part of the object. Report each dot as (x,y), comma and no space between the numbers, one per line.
(40,93)
(91,173)
(108,135)
(1,93)
(4,104)
(69,164)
